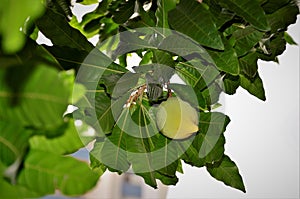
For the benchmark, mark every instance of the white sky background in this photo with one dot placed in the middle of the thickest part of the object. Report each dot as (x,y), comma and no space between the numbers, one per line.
(262,137)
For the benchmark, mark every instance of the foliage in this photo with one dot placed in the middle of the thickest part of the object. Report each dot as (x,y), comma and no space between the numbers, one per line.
(213,46)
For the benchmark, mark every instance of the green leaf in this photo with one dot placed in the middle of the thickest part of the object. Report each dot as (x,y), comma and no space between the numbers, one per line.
(167,180)
(130,41)
(13,145)
(112,151)
(13,142)
(165,156)
(108,29)
(55,27)
(226,60)
(219,14)
(62,7)
(250,10)
(118,84)
(228,173)
(96,165)
(271,47)
(182,46)
(87,2)
(197,74)
(187,93)
(230,84)
(140,158)
(271,6)
(67,143)
(208,145)
(212,94)
(211,127)
(190,153)
(45,175)
(254,86)
(31,55)
(163,7)
(8,191)
(289,39)
(248,64)
(194,20)
(245,39)
(108,110)
(124,12)
(283,17)
(12,18)
(40,102)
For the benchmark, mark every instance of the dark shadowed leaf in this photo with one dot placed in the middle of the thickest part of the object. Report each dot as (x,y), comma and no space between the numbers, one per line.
(55,27)
(272,47)
(230,84)
(248,64)
(283,17)
(250,10)
(124,11)
(254,86)
(271,6)
(12,147)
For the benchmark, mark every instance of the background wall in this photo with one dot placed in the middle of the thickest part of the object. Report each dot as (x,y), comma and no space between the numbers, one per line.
(262,138)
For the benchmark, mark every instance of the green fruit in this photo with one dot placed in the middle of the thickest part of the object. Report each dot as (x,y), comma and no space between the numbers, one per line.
(177,119)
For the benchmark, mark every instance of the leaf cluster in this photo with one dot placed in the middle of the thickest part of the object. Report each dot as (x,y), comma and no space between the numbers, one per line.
(213,46)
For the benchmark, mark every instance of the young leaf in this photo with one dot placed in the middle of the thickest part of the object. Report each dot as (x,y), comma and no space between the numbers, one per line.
(289,39)
(228,173)
(194,20)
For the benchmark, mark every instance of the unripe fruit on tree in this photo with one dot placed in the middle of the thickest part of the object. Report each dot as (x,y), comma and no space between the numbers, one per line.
(177,119)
